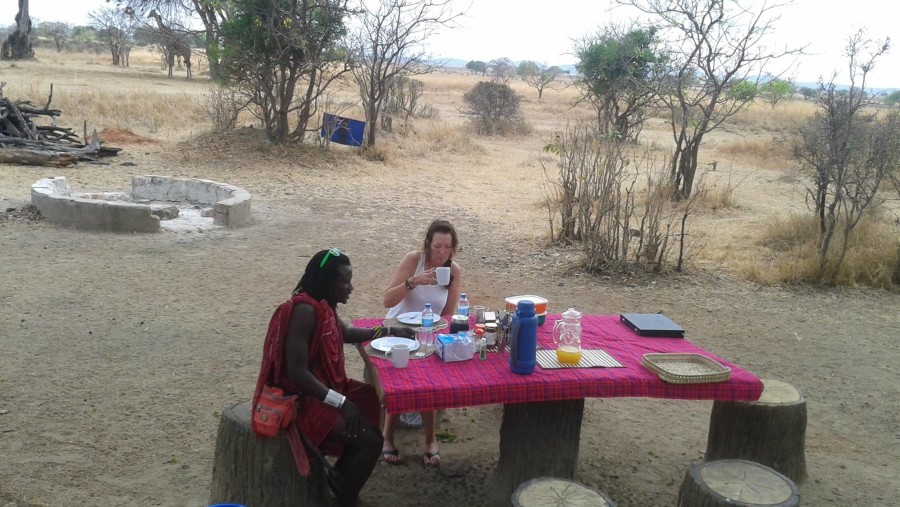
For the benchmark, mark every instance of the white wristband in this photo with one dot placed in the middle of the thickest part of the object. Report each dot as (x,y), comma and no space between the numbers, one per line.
(334,398)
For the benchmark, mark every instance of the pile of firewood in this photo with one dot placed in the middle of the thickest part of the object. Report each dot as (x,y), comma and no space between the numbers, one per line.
(24,142)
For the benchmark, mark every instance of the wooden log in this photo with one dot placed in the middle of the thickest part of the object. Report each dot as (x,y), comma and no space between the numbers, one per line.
(545,491)
(770,431)
(536,440)
(24,156)
(260,472)
(736,483)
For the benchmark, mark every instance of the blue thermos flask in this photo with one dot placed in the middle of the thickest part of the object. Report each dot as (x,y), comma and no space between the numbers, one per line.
(523,339)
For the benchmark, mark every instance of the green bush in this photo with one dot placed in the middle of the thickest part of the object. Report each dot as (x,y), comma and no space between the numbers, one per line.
(494,108)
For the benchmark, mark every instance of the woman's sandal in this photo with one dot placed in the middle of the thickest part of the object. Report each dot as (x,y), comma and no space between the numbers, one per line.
(431,460)
(391,457)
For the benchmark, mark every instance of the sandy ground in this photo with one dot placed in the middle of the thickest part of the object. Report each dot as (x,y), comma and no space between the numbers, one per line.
(118,351)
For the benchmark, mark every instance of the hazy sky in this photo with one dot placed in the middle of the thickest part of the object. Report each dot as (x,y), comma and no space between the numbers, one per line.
(543,31)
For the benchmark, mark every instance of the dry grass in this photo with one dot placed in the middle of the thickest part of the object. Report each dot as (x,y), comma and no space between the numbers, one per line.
(792,257)
(758,151)
(784,117)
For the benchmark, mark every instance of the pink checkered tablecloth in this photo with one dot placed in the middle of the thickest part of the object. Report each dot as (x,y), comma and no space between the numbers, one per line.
(428,384)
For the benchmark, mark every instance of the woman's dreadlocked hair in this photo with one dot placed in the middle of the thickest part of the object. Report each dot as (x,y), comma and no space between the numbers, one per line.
(321,273)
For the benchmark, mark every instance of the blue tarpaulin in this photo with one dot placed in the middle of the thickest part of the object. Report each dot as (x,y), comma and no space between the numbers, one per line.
(343,130)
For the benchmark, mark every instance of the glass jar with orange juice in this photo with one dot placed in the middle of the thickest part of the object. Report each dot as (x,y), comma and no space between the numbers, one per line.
(567,337)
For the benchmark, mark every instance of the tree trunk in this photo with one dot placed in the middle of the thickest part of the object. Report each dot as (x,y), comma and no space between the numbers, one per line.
(23,156)
(17,45)
(736,483)
(771,431)
(536,440)
(371,116)
(555,492)
(249,470)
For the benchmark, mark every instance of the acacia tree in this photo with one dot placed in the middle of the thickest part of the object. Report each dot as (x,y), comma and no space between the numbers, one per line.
(711,45)
(116,28)
(390,42)
(59,31)
(17,45)
(615,68)
(477,67)
(273,47)
(851,152)
(539,76)
(502,69)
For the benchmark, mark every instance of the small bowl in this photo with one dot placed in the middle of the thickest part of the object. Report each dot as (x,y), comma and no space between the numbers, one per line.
(540,304)
(541,318)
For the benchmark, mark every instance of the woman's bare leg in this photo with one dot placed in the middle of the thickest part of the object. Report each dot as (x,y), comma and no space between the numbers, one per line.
(431,445)
(391,421)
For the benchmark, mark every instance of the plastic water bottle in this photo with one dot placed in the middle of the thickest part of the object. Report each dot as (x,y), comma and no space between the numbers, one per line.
(428,319)
(463,307)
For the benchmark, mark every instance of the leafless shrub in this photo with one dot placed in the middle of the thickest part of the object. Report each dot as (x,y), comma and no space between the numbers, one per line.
(222,106)
(615,203)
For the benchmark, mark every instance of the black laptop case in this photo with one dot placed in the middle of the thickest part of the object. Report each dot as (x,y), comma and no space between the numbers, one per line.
(652,324)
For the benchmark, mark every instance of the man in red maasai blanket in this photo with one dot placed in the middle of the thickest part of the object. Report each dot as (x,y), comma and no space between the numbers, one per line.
(304,354)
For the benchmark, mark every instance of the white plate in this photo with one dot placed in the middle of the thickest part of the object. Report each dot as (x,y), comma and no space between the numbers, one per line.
(413,318)
(385,343)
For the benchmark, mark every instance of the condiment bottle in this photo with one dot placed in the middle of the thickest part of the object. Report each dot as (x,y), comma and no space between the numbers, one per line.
(481,343)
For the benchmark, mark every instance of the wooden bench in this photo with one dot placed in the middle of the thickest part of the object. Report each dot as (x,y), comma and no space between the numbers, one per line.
(736,483)
(260,472)
(770,431)
(558,492)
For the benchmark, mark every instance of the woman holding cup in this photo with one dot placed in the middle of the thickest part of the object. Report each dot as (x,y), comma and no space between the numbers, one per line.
(423,276)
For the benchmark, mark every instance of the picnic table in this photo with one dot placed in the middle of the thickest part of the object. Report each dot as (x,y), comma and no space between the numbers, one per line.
(542,412)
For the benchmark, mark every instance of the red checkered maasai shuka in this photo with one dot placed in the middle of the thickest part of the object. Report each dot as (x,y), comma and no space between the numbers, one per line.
(428,384)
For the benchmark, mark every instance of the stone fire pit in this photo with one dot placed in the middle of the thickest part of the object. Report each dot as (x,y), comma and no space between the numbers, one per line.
(154,201)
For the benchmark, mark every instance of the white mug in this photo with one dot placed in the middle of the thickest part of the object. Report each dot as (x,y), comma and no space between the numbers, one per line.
(399,355)
(443,275)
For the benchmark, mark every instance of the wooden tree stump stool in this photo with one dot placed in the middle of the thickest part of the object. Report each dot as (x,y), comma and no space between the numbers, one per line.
(545,491)
(736,483)
(770,431)
(260,472)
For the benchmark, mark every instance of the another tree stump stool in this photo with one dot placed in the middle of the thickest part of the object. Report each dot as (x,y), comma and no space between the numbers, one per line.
(736,483)
(260,472)
(771,431)
(545,491)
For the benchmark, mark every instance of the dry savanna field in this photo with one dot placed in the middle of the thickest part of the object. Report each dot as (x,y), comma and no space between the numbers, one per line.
(118,351)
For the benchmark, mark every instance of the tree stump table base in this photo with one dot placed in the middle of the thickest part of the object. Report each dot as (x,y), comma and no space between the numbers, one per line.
(545,491)
(770,431)
(736,483)
(260,472)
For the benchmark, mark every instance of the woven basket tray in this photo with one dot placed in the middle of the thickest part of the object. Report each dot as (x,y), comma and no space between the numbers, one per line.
(686,368)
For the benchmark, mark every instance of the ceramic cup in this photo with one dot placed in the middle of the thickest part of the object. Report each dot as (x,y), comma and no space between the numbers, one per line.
(443,275)
(399,355)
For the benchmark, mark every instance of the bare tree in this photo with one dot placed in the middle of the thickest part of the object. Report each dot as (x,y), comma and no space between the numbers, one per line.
(389,42)
(851,153)
(712,44)
(543,79)
(502,70)
(116,28)
(59,31)
(17,45)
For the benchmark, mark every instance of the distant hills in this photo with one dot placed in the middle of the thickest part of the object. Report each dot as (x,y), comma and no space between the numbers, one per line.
(461,64)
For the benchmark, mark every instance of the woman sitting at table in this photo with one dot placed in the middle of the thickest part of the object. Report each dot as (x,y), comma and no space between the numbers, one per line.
(304,355)
(415,283)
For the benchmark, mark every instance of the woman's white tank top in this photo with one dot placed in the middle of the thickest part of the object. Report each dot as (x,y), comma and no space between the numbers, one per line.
(415,300)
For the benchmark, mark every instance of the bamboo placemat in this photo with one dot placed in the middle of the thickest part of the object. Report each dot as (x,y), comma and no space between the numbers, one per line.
(439,325)
(589,359)
(421,353)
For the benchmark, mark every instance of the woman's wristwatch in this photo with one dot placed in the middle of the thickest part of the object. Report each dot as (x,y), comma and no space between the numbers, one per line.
(408,283)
